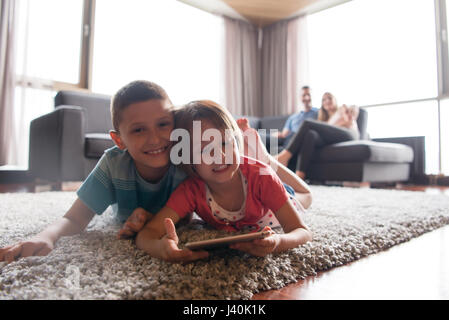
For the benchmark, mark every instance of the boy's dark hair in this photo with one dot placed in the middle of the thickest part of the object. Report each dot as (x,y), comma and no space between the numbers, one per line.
(305,88)
(133,92)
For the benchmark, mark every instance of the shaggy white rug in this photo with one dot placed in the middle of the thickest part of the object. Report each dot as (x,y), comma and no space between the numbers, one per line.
(347,225)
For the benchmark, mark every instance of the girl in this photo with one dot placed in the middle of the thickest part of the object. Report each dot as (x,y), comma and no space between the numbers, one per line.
(231,192)
(334,125)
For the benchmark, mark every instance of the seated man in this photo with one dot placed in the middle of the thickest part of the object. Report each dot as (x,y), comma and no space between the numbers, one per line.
(295,120)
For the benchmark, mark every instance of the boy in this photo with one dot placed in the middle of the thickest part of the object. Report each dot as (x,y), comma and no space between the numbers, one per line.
(136,176)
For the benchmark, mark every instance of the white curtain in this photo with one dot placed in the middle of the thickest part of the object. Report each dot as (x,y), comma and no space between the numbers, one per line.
(265,68)
(7,81)
(302,54)
(292,67)
(284,66)
(242,71)
(274,69)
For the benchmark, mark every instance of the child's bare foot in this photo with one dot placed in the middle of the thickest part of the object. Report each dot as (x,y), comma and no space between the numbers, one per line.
(134,224)
(243,124)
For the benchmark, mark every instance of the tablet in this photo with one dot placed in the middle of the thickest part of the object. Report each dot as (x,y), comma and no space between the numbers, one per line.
(223,242)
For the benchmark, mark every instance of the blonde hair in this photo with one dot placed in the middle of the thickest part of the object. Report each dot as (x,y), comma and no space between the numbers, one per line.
(323,114)
(210,111)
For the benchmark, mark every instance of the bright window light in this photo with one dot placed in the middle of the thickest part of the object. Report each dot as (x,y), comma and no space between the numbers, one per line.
(374,51)
(407,120)
(34,103)
(445,136)
(369,52)
(175,45)
(49,33)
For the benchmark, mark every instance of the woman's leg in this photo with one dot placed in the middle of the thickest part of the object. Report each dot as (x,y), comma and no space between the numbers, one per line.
(311,142)
(295,143)
(329,134)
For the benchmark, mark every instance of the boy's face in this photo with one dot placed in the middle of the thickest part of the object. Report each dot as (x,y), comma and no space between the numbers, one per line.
(144,130)
(219,159)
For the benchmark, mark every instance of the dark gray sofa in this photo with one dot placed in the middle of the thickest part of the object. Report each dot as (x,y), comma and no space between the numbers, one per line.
(365,160)
(66,143)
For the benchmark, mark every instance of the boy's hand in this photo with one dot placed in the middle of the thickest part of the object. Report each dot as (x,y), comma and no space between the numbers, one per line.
(259,247)
(169,247)
(36,246)
(134,224)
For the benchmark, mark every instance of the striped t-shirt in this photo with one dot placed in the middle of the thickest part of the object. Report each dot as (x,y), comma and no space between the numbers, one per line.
(115,181)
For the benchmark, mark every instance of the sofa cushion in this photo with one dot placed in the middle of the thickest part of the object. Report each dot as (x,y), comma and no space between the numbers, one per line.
(96,144)
(365,151)
(276,122)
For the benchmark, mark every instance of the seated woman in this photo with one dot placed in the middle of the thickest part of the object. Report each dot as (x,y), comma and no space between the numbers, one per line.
(334,124)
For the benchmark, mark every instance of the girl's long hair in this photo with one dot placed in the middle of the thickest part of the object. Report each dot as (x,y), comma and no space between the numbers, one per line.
(323,114)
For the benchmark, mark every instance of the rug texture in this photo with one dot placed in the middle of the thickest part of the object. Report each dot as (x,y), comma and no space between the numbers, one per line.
(347,225)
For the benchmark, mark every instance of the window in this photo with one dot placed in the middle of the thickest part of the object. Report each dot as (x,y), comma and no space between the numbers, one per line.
(407,120)
(375,52)
(167,42)
(50,44)
(49,47)
(445,136)
(34,102)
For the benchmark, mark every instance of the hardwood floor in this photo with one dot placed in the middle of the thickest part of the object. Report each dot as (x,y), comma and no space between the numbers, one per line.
(417,269)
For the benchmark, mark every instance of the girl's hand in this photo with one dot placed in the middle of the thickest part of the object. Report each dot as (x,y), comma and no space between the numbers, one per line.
(259,247)
(169,247)
(134,223)
(36,246)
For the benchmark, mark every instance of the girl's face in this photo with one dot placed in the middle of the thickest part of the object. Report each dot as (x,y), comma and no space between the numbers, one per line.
(219,156)
(329,103)
(144,130)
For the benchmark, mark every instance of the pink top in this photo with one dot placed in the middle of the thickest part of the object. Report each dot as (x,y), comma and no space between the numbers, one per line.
(264,192)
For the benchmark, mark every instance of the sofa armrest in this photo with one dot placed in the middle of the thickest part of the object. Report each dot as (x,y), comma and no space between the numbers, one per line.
(417,170)
(57,145)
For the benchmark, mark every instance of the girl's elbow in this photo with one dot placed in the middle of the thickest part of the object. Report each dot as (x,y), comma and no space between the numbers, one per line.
(307,200)
(309,235)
